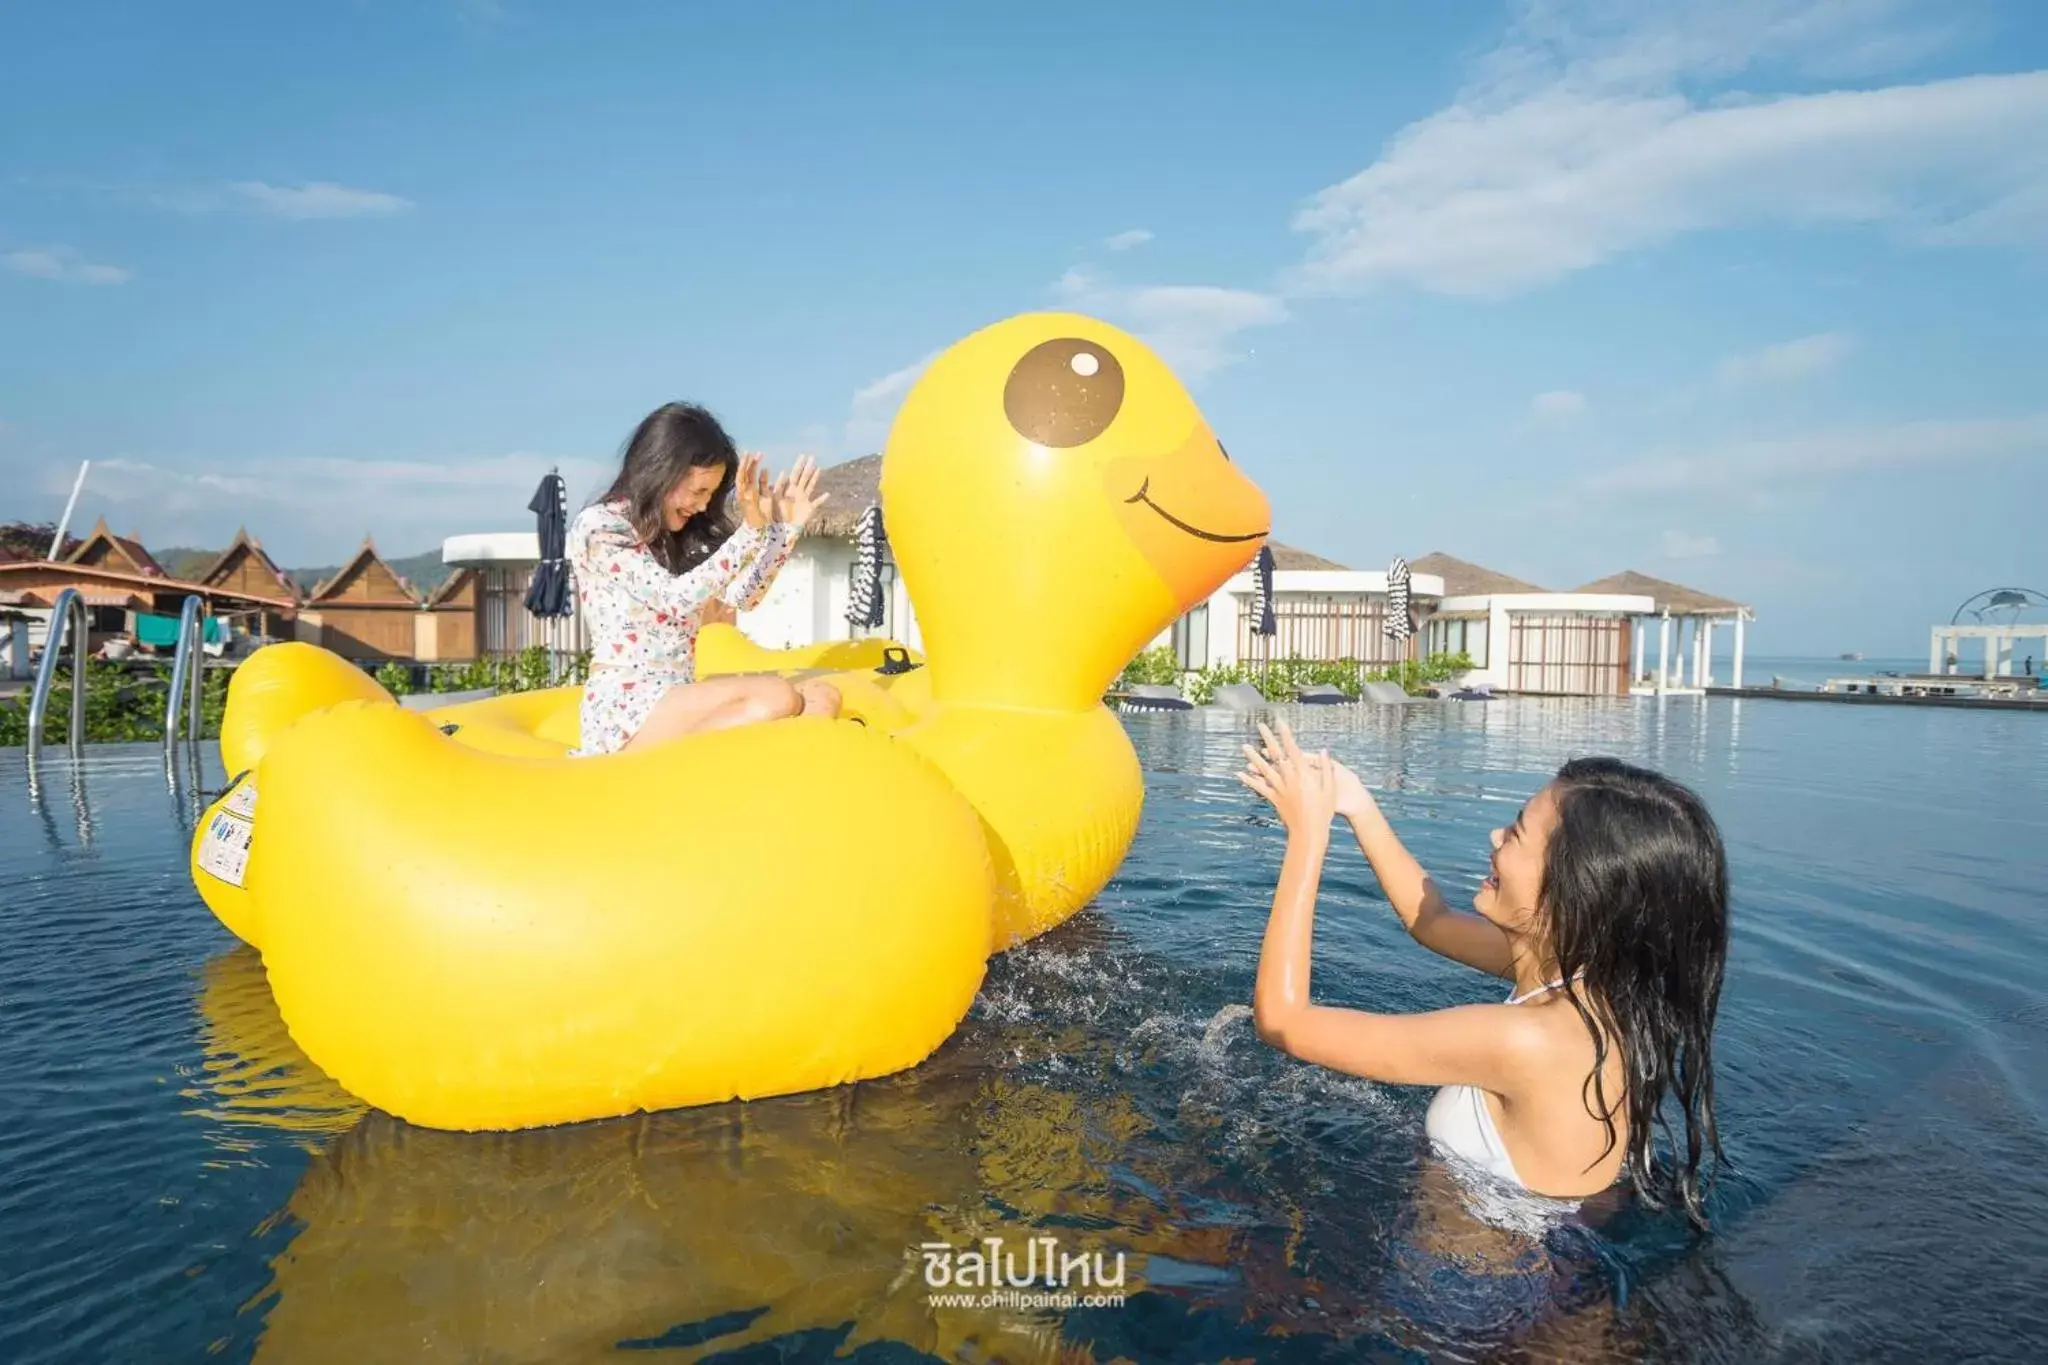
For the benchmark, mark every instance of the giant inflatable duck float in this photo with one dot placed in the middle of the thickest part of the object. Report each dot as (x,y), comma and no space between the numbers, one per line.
(468,929)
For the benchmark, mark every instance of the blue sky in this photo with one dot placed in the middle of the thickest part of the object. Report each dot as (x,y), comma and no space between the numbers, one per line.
(1749,295)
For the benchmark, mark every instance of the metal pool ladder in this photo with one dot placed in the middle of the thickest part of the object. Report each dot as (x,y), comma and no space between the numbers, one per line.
(188,668)
(67,614)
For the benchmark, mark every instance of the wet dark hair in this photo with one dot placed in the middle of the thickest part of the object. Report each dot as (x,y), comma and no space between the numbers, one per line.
(669,442)
(1635,886)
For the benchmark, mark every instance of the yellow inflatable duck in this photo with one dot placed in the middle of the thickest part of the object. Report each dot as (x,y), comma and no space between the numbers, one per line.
(468,929)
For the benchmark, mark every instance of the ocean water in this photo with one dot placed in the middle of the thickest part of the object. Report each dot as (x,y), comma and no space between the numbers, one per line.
(178,1183)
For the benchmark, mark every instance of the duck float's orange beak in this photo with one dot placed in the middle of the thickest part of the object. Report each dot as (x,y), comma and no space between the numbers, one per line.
(1191,513)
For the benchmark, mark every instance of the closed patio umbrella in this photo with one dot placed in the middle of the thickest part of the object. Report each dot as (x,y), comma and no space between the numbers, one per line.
(548,594)
(864,603)
(1262,609)
(1400,620)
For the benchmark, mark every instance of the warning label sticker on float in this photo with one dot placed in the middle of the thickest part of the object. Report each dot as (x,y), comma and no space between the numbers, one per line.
(242,801)
(224,848)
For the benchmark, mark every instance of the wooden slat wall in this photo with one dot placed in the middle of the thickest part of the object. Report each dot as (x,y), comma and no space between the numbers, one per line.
(504,626)
(1324,628)
(1564,655)
(367,634)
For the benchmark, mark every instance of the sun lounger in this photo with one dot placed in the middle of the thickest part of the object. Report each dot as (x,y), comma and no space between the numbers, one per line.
(1156,697)
(1388,694)
(1238,697)
(1321,694)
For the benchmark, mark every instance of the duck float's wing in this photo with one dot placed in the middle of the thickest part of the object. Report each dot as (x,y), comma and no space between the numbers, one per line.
(469,940)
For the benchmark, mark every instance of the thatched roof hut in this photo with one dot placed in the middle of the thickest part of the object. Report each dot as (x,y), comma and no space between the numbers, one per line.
(853,485)
(1464,579)
(1675,598)
(1286,558)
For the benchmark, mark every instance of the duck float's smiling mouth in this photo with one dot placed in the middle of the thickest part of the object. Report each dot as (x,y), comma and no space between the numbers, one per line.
(1144,495)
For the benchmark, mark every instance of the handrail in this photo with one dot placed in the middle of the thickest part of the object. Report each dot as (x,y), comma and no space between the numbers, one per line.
(188,667)
(69,611)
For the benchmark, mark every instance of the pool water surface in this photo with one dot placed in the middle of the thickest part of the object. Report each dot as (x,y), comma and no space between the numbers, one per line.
(178,1183)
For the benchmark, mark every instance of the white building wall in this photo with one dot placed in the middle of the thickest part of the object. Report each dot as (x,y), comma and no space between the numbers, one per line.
(807,603)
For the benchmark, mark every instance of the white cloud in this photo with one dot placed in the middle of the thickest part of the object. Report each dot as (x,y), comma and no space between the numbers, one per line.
(874,407)
(63,264)
(1788,360)
(1684,545)
(318,200)
(1749,467)
(313,510)
(1124,241)
(1194,327)
(1558,404)
(1584,137)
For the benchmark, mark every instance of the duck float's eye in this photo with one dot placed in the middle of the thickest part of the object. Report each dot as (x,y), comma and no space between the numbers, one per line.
(1064,393)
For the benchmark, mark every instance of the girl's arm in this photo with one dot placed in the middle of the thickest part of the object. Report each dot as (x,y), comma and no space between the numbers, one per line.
(763,563)
(1490,1046)
(610,552)
(1457,934)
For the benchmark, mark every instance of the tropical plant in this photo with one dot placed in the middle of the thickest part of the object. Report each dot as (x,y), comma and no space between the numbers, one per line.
(124,702)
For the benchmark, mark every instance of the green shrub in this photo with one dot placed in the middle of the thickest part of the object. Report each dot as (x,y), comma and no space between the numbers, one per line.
(1279,679)
(1152,668)
(125,704)
(526,671)
(122,705)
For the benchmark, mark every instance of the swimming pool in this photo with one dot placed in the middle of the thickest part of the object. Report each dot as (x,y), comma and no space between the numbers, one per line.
(176,1183)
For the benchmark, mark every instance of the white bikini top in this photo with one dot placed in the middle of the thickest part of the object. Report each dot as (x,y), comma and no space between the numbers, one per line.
(1460,1124)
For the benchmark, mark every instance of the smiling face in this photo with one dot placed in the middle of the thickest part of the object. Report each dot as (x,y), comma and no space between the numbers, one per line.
(1055,500)
(691,494)
(1511,893)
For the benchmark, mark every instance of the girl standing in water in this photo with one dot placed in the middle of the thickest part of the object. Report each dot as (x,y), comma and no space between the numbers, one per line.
(1606,906)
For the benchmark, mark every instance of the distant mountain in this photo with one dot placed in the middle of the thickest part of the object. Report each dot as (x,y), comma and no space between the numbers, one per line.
(424,571)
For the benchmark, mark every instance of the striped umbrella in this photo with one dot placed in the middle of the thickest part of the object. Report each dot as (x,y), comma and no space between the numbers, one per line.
(548,594)
(864,603)
(1262,609)
(1400,619)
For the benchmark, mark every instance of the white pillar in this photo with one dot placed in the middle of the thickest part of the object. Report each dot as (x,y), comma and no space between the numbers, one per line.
(1706,678)
(1663,654)
(1934,654)
(1738,654)
(1990,656)
(1635,655)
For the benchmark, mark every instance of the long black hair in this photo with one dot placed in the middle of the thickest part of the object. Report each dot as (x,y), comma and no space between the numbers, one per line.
(1635,887)
(669,442)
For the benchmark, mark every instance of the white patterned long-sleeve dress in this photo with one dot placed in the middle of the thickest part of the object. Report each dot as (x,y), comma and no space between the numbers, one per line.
(643,620)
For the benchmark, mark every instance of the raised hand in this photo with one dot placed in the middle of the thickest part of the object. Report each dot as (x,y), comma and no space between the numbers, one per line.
(796,497)
(1301,787)
(1353,800)
(751,490)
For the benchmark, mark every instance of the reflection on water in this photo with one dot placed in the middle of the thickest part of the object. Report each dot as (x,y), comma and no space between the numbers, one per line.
(181,1183)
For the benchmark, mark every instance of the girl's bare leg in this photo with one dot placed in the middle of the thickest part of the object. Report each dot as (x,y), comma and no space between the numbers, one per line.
(717,704)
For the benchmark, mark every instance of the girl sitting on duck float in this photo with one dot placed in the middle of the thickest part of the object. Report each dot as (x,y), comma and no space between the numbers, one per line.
(1606,905)
(658,550)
